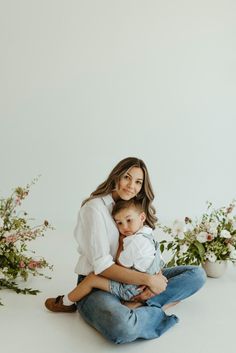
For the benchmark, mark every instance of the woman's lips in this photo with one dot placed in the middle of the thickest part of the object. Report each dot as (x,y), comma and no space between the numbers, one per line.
(128,192)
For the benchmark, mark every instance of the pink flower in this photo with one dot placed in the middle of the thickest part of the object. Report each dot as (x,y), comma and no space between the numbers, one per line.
(18,201)
(34,264)
(11,238)
(21,264)
(209,237)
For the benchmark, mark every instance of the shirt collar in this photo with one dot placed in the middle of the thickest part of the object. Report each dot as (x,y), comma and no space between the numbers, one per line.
(108,200)
(145,229)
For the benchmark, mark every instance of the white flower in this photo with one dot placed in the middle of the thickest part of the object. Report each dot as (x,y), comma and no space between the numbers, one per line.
(181,236)
(7,234)
(202,237)
(233,254)
(230,247)
(212,227)
(183,249)
(178,229)
(225,234)
(230,217)
(211,256)
(234,225)
(1,222)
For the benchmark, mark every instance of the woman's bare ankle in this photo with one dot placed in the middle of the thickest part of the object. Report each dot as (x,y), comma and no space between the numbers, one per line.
(132,305)
(168,306)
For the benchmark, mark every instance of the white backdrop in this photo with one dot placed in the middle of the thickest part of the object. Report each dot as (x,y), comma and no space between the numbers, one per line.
(86,83)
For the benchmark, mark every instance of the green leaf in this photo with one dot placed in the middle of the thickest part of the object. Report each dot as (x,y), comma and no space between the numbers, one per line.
(200,248)
(171,263)
(169,246)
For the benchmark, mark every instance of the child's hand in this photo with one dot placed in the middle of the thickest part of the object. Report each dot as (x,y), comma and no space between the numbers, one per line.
(145,294)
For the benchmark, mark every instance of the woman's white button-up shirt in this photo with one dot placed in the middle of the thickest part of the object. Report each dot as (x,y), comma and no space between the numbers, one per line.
(97,236)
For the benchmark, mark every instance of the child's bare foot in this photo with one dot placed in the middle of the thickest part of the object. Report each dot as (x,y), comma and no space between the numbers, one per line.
(167,306)
(132,305)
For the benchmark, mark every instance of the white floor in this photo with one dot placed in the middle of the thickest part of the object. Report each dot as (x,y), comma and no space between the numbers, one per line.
(207,320)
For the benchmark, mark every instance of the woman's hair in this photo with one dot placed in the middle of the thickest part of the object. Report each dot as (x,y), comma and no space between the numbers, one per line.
(127,204)
(145,195)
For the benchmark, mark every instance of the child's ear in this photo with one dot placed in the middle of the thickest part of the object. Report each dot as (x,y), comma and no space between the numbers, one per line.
(143,216)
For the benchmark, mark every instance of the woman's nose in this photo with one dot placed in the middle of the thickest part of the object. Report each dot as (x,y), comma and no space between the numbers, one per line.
(131,184)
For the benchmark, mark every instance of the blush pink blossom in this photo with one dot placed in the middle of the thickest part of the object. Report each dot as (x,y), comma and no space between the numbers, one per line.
(18,201)
(209,237)
(34,264)
(21,264)
(11,239)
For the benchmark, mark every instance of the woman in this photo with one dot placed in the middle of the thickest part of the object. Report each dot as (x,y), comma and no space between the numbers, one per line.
(97,237)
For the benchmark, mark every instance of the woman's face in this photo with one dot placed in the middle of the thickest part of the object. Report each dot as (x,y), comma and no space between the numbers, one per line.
(129,185)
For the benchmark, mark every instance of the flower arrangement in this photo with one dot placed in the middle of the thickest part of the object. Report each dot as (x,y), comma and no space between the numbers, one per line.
(211,238)
(15,232)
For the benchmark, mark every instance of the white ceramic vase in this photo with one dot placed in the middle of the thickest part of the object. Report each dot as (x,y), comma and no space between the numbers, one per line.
(215,269)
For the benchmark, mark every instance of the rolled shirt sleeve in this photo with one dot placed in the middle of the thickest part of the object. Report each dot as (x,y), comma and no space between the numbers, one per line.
(92,236)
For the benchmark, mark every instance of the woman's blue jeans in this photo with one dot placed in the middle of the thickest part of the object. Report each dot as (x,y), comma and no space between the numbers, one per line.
(120,324)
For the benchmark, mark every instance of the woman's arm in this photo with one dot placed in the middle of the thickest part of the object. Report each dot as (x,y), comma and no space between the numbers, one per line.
(156,283)
(120,248)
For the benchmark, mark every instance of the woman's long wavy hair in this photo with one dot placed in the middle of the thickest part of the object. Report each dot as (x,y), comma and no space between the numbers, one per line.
(145,195)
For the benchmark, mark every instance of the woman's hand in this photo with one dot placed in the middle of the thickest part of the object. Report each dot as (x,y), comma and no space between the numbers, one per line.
(120,248)
(121,238)
(157,285)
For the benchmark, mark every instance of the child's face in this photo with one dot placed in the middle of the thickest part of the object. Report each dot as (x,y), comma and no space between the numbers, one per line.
(129,220)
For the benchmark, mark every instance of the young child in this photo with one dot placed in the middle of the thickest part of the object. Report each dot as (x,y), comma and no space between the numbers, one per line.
(137,249)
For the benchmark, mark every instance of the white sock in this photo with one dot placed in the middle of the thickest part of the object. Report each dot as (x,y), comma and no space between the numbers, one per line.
(67,301)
